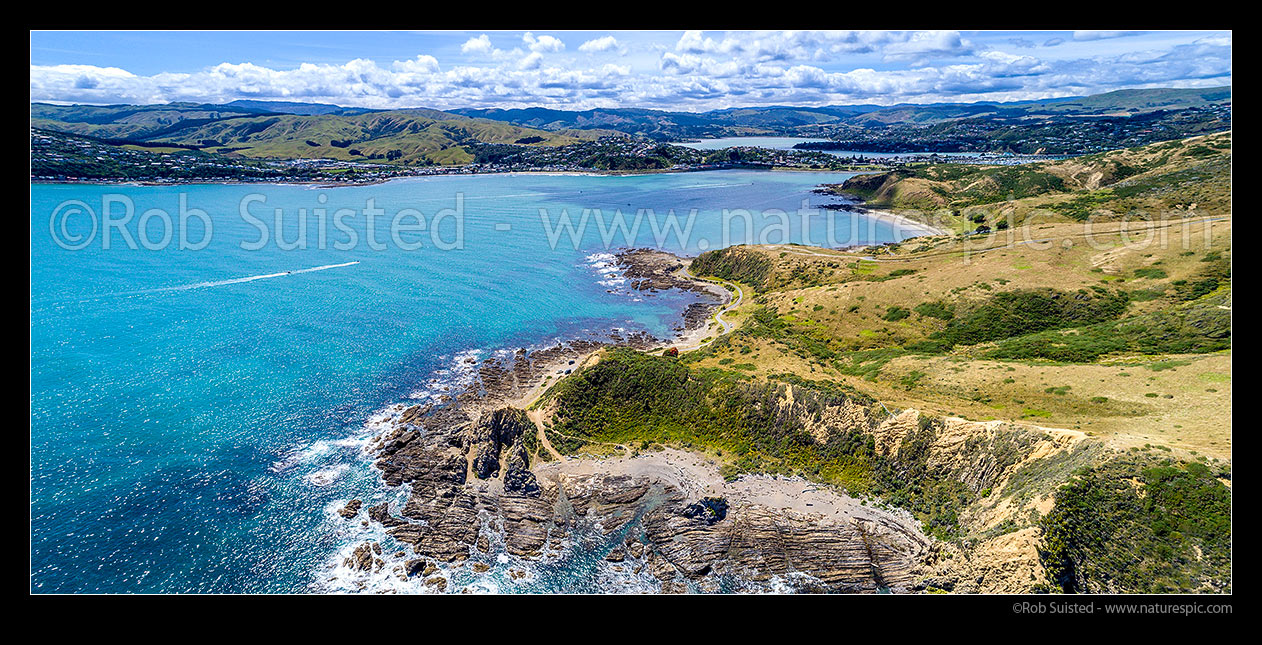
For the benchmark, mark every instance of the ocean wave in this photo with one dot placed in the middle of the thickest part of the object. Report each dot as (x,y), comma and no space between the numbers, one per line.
(326,476)
(576,564)
(609,273)
(460,373)
(315,451)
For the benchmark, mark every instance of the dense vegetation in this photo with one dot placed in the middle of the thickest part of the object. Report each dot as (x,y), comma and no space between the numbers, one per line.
(1017,313)
(1199,327)
(1132,525)
(606,154)
(621,153)
(733,263)
(629,397)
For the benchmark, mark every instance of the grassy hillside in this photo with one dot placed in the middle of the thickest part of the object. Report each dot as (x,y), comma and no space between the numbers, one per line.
(1098,331)
(1190,176)
(399,136)
(130,121)
(411,137)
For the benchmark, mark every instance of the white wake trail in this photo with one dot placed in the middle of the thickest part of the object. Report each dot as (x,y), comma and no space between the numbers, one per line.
(221,283)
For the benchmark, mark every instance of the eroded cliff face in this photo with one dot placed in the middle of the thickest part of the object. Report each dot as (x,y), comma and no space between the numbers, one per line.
(1011,470)
(980,455)
(472,483)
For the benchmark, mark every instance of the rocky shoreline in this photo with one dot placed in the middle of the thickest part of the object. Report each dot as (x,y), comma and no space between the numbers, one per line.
(484,495)
(472,485)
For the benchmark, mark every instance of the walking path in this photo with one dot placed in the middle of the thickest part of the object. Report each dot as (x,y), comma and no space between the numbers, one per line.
(734,303)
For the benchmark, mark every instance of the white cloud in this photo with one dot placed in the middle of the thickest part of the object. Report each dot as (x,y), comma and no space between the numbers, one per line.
(422,64)
(542,44)
(532,61)
(479,45)
(1215,41)
(695,72)
(602,44)
(1103,35)
(926,44)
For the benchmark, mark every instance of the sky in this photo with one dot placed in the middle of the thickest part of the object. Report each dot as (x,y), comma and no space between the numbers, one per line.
(672,70)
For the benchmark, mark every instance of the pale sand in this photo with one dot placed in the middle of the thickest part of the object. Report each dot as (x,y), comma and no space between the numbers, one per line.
(698,476)
(906,223)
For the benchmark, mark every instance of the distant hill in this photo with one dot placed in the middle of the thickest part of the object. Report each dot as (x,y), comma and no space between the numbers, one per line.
(661,124)
(1181,176)
(130,121)
(292,107)
(1133,101)
(634,121)
(1117,103)
(787,120)
(412,137)
(282,129)
(399,136)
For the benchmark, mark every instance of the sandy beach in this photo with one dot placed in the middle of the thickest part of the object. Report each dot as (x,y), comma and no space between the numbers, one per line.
(905,224)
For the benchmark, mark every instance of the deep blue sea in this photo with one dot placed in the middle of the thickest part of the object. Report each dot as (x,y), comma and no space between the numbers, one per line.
(198,414)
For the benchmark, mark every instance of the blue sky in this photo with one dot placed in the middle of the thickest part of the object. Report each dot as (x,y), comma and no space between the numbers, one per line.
(675,70)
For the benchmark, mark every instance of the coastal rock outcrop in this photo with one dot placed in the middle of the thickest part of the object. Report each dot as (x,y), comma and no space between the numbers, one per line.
(518,478)
(351,509)
(491,434)
(684,543)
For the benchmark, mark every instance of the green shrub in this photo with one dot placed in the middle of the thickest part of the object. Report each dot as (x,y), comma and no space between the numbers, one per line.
(1171,532)
(1198,327)
(896,313)
(1016,313)
(939,310)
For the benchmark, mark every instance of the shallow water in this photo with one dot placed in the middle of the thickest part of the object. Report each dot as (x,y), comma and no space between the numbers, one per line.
(197,416)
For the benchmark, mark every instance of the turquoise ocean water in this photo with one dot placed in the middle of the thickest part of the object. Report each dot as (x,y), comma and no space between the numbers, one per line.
(197,415)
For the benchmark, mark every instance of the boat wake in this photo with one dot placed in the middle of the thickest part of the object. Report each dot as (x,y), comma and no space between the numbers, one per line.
(222,283)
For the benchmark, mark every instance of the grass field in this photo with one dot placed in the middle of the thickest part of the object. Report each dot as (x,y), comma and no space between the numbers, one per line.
(881,326)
